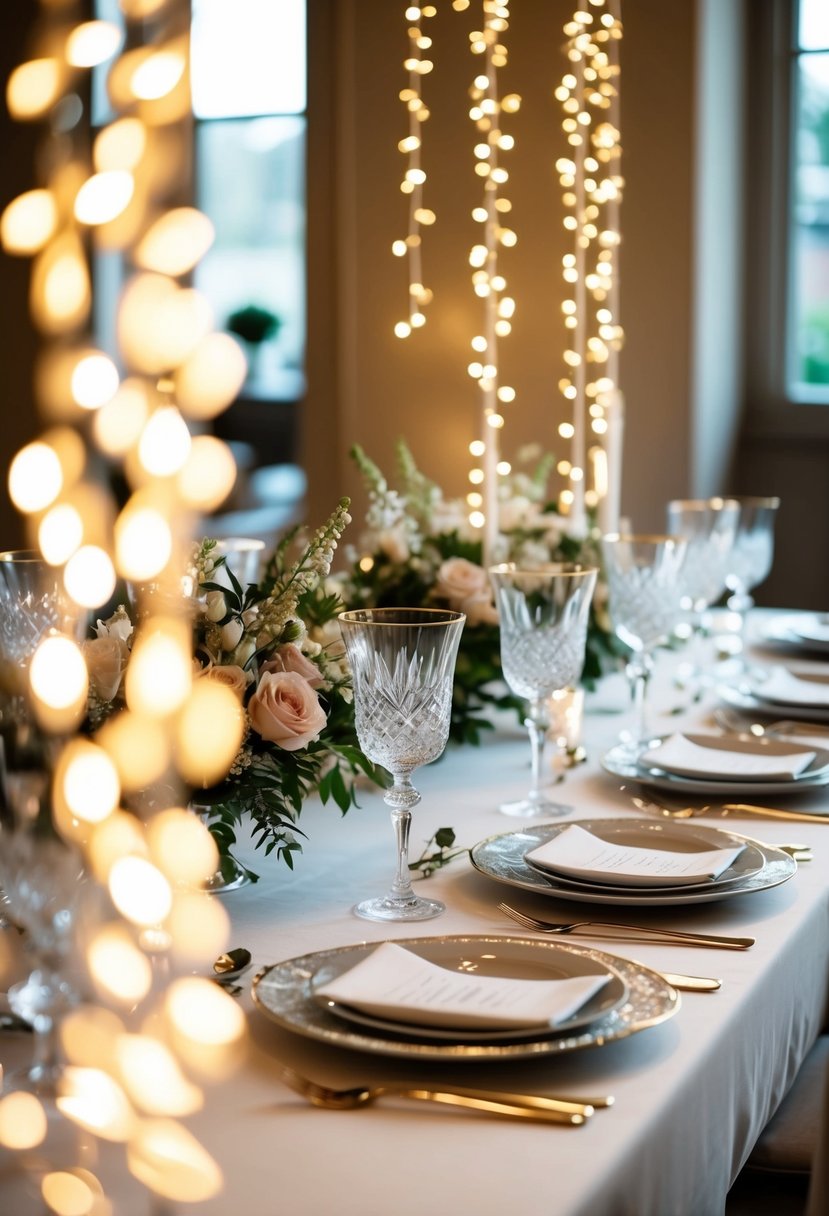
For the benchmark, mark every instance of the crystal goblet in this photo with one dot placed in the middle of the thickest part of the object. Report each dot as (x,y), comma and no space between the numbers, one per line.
(709,525)
(750,557)
(543,623)
(645,585)
(402,665)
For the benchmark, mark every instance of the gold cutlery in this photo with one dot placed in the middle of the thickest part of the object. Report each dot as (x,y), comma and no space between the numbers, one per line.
(610,929)
(723,809)
(512,1106)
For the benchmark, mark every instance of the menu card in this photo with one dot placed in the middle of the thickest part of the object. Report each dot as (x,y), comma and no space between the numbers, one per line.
(394,983)
(681,755)
(579,853)
(786,688)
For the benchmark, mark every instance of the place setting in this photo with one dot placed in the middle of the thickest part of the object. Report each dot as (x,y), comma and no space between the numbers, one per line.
(800,692)
(806,631)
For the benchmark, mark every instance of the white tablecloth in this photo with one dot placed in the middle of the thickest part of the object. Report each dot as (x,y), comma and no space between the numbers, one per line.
(691,1095)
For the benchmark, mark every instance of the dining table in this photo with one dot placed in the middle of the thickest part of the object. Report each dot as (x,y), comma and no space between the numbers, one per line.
(690,1094)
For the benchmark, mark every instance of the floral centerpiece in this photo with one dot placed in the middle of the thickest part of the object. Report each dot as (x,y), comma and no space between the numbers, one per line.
(276,645)
(418,548)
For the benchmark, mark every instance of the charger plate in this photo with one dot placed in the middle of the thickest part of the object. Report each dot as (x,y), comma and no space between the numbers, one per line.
(742,697)
(785,631)
(502,858)
(284,992)
(618,764)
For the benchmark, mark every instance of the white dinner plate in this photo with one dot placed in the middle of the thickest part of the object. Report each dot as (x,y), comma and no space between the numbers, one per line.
(786,631)
(619,831)
(502,858)
(742,697)
(284,992)
(561,966)
(618,764)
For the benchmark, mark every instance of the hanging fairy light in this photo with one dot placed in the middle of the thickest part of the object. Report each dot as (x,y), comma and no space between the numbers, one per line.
(592,185)
(418,64)
(488,281)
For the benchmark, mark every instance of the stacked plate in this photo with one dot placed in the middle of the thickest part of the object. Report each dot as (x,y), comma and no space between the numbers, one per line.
(800,692)
(802,630)
(694,863)
(463,998)
(737,767)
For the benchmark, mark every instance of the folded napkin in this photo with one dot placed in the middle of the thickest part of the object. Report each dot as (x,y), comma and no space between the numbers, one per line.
(786,688)
(679,754)
(579,853)
(393,983)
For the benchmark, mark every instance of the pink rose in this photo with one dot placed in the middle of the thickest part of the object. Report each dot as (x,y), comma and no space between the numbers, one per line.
(230,675)
(466,587)
(285,710)
(105,661)
(291,658)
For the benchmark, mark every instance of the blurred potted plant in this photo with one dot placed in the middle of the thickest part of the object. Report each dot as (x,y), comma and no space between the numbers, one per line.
(255,326)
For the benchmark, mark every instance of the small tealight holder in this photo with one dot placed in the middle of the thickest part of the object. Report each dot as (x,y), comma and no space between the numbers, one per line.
(566,707)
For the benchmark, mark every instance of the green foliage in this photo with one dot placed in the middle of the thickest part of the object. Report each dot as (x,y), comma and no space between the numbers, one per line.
(440,856)
(254,324)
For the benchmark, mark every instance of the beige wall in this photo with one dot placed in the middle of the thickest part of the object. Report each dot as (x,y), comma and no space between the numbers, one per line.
(382,388)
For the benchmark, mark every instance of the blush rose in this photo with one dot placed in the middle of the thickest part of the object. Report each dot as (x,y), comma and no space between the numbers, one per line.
(285,710)
(291,658)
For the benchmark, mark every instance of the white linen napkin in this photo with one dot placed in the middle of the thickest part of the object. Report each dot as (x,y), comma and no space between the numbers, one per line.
(784,687)
(583,855)
(679,754)
(393,983)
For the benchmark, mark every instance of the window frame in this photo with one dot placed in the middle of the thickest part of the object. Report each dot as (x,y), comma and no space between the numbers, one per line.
(772,55)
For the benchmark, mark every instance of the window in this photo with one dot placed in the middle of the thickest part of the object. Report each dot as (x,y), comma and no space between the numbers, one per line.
(807,370)
(248,81)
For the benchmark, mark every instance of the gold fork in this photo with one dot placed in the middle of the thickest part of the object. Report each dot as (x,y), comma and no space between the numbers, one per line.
(572,1113)
(611,929)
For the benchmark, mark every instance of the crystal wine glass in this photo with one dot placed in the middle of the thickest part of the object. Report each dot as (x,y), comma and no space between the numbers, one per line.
(709,525)
(402,665)
(645,585)
(751,556)
(543,623)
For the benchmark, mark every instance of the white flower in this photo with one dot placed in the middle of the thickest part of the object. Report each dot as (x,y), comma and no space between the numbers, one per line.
(118,626)
(215,606)
(517,512)
(393,542)
(232,634)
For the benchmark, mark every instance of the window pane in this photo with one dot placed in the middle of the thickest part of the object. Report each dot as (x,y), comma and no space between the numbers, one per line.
(248,57)
(811,222)
(813,33)
(251,183)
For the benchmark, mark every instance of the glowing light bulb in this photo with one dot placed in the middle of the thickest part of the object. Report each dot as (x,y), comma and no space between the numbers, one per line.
(60,533)
(95,381)
(165,442)
(28,222)
(35,477)
(143,542)
(92,43)
(104,196)
(89,576)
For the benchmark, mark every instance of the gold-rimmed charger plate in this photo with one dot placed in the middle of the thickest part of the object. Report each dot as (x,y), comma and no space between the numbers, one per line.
(284,992)
(502,858)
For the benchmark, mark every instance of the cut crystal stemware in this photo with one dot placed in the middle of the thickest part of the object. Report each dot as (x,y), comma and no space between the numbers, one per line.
(402,664)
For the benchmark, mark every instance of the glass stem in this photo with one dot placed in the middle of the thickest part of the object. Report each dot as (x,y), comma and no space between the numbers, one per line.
(740,603)
(46,1063)
(537,723)
(639,671)
(402,886)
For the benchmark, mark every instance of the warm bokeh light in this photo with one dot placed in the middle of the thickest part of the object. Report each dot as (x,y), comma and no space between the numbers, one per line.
(94,381)
(208,475)
(167,1159)
(70,450)
(159,323)
(157,75)
(143,542)
(104,196)
(153,1079)
(60,533)
(165,442)
(118,424)
(35,477)
(33,88)
(211,376)
(175,242)
(89,1035)
(121,145)
(159,674)
(67,1194)
(60,294)
(58,680)
(118,967)
(86,781)
(138,746)
(139,891)
(199,929)
(91,1098)
(92,43)
(120,835)
(28,222)
(89,576)
(22,1121)
(182,846)
(209,733)
(201,1012)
